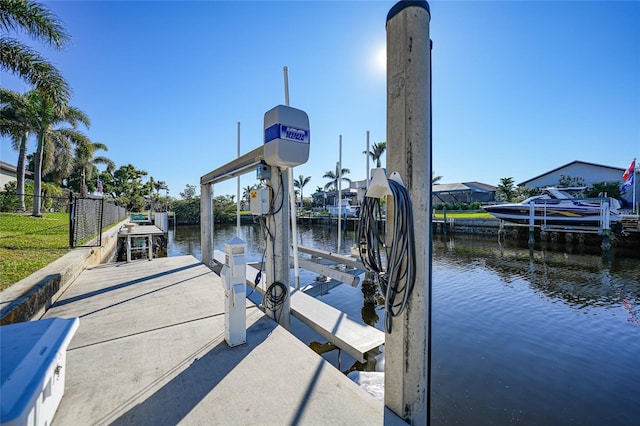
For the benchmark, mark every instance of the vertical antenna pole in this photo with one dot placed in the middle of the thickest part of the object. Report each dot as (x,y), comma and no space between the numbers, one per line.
(292,198)
(339,193)
(238,191)
(368,155)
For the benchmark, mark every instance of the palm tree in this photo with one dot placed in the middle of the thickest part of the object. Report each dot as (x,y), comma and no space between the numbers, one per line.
(158,185)
(49,116)
(435,179)
(300,183)
(85,162)
(16,123)
(246,194)
(40,24)
(335,176)
(376,153)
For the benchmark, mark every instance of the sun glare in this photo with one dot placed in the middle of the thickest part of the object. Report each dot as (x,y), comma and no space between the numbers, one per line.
(381,59)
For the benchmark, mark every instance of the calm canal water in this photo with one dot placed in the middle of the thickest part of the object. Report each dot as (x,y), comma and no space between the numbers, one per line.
(549,337)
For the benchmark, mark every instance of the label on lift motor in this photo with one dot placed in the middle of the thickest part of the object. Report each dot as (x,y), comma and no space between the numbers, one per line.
(281,131)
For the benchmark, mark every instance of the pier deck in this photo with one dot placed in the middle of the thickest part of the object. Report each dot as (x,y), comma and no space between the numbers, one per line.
(150,349)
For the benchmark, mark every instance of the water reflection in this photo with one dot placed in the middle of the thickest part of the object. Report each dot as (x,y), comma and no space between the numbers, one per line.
(580,280)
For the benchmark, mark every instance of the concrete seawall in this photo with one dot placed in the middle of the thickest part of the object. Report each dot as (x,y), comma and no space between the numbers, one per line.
(488,227)
(29,298)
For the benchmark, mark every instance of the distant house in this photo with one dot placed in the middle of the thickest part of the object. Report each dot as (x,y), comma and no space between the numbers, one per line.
(330,198)
(465,192)
(9,173)
(590,173)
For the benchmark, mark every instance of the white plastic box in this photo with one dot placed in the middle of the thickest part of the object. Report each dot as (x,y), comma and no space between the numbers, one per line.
(286,136)
(260,201)
(33,369)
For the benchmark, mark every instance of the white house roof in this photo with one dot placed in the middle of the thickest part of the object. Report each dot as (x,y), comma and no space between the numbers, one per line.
(572,165)
(462,187)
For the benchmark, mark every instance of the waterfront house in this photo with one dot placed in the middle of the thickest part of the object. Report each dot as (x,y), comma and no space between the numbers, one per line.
(588,173)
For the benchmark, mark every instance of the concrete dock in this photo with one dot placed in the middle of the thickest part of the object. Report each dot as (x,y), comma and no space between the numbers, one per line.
(150,349)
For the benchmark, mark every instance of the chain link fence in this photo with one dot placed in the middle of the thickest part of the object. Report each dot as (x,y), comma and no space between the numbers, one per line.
(89,216)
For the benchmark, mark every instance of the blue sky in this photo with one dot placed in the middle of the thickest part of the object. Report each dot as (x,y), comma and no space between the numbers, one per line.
(519,88)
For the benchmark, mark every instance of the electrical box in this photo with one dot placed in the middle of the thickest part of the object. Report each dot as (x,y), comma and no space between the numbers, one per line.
(263,172)
(260,201)
(233,276)
(286,136)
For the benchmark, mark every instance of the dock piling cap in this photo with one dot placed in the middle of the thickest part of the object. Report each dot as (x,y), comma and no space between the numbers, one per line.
(401,5)
(235,245)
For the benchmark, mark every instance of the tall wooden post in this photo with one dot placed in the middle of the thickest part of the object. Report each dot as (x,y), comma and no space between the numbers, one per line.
(206,226)
(277,257)
(407,347)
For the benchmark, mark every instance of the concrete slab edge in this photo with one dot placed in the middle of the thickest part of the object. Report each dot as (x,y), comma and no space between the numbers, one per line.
(28,299)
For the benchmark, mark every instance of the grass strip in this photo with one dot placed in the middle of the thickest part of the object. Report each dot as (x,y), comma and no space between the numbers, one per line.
(29,243)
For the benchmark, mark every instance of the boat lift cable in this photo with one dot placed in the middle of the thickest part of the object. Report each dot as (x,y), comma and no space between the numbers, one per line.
(397,280)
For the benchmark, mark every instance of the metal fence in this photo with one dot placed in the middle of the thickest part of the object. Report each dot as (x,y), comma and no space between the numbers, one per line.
(89,216)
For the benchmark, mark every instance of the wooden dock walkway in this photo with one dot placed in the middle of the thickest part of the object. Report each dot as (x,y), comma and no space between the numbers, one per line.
(150,350)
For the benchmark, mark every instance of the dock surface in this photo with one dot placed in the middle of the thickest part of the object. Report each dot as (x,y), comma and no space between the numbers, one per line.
(150,349)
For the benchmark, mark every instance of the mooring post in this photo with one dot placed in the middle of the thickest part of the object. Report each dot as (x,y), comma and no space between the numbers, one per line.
(606,226)
(206,224)
(407,347)
(532,222)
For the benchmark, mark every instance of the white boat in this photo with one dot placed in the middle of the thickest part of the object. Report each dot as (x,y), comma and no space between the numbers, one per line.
(347,209)
(557,207)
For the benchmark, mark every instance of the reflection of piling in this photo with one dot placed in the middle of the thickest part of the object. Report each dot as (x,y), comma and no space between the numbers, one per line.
(606,240)
(369,289)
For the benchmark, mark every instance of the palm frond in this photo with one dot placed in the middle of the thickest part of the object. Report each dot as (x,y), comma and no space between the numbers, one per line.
(74,116)
(31,66)
(111,165)
(32,18)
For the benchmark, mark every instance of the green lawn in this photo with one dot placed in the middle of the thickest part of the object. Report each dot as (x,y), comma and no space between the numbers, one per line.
(465,215)
(27,244)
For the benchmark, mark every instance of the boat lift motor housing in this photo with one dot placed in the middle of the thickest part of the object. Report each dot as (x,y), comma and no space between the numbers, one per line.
(233,278)
(286,136)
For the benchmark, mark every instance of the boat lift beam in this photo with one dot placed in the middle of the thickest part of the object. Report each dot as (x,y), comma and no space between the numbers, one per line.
(237,167)
(240,166)
(277,255)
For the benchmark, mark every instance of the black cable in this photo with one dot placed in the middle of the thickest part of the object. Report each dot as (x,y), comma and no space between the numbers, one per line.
(275,196)
(274,297)
(265,233)
(397,280)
